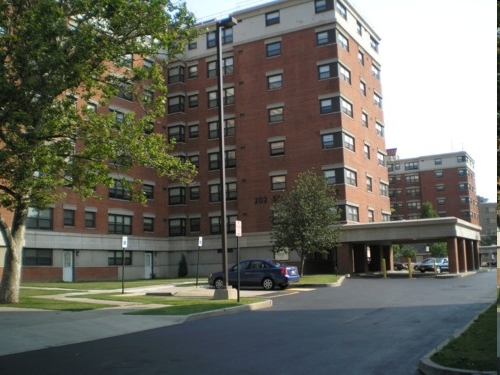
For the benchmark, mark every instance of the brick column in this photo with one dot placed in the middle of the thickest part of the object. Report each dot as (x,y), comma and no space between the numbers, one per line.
(462,256)
(452,254)
(475,251)
(469,251)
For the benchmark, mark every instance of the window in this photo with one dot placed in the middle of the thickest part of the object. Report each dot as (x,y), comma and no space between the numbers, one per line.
(229,96)
(176,104)
(412,178)
(215,193)
(177,227)
(323,5)
(148,224)
(364,119)
(439,174)
(69,218)
(276,114)
(119,116)
(345,74)
(230,159)
(359,28)
(193,101)
(441,201)
(194,193)
(228,65)
(37,257)
(277,148)
(361,58)
(366,150)
(230,125)
(274,81)
(213,161)
(438,161)
(371,216)
(462,172)
(375,72)
(465,200)
(384,189)
(377,100)
(195,224)
(212,99)
(461,158)
(330,176)
(176,74)
(326,71)
(215,225)
(341,9)
(148,63)
(272,18)
(119,224)
(346,107)
(193,71)
(352,213)
(373,43)
(369,184)
(325,37)
(194,131)
(273,49)
(231,192)
(115,258)
(213,129)
(118,191)
(362,88)
(413,205)
(351,177)
(349,142)
(278,182)
(226,37)
(177,133)
(177,195)
(410,165)
(413,192)
(329,105)
(379,129)
(332,140)
(212,69)
(343,41)
(380,158)
(464,186)
(90,219)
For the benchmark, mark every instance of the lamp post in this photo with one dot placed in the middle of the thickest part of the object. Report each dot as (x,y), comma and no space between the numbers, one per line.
(221,25)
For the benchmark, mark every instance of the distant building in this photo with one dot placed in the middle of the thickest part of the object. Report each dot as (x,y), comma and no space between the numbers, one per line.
(488,222)
(447,181)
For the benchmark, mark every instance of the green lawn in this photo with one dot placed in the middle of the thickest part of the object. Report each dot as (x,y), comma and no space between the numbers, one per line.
(476,348)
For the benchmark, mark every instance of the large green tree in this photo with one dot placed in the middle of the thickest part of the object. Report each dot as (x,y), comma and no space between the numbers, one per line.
(428,211)
(305,218)
(55,53)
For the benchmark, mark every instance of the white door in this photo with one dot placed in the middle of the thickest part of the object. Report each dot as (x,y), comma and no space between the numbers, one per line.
(68,266)
(148,265)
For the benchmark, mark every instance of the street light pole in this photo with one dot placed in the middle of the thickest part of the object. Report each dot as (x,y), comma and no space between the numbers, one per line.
(221,25)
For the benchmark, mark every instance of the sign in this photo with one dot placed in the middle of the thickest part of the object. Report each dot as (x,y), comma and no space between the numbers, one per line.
(200,241)
(124,242)
(238,228)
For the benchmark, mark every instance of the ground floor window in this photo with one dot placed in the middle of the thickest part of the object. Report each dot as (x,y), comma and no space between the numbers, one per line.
(37,257)
(115,258)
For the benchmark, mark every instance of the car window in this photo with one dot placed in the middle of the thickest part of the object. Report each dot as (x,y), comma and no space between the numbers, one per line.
(258,265)
(244,265)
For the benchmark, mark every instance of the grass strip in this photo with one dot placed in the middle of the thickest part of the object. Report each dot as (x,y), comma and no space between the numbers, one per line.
(475,349)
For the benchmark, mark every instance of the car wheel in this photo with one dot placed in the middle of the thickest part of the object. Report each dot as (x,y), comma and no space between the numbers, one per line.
(268,283)
(219,283)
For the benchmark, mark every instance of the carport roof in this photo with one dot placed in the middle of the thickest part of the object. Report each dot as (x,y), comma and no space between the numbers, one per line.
(420,230)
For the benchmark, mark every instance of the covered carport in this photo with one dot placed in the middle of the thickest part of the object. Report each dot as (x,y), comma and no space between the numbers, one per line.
(363,246)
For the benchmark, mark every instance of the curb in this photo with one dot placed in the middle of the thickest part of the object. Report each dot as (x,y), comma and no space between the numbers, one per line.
(229,311)
(429,367)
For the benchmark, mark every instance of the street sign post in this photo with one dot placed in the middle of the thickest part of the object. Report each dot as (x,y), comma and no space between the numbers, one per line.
(124,246)
(200,244)
(238,235)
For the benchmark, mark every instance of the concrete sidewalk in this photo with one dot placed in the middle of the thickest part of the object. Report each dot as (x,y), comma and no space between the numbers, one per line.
(29,329)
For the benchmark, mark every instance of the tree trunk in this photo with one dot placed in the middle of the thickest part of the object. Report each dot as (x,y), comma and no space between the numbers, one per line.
(14,240)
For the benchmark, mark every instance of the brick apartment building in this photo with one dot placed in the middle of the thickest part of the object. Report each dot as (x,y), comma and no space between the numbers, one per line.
(302,90)
(447,181)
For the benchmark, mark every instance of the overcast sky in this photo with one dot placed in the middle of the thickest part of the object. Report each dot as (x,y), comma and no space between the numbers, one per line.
(438,62)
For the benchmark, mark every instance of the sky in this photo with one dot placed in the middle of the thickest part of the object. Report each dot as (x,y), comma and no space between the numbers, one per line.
(438,60)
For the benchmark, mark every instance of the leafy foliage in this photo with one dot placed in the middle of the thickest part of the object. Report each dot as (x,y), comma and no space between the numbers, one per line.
(428,210)
(304,218)
(59,60)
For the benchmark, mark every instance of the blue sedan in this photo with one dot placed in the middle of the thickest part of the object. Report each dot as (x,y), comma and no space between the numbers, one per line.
(257,272)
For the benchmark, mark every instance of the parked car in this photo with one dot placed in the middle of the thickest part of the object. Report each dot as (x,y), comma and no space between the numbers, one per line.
(255,272)
(428,265)
(398,266)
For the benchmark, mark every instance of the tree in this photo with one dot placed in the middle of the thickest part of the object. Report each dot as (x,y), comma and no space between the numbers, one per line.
(439,249)
(58,53)
(305,218)
(183,267)
(406,252)
(428,210)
